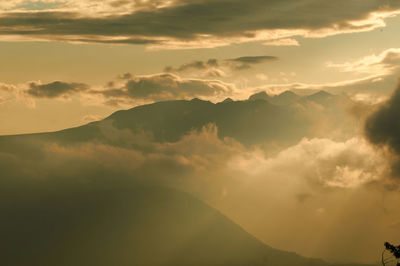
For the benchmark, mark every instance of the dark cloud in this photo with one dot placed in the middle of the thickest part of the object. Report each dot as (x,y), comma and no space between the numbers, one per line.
(246,62)
(55,89)
(383,128)
(138,41)
(195,65)
(166,87)
(253,59)
(212,66)
(192,20)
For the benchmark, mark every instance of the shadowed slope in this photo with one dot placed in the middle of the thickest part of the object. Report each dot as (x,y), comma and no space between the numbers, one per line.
(94,226)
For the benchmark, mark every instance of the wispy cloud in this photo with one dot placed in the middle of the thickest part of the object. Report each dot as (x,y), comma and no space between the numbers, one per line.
(385,63)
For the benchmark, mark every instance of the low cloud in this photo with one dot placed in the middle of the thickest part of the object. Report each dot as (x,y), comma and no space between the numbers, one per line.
(309,182)
(55,89)
(322,162)
(6,87)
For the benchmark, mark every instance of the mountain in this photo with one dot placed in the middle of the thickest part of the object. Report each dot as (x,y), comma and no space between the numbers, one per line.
(120,225)
(227,100)
(326,99)
(285,122)
(289,97)
(285,98)
(249,122)
(146,226)
(260,96)
(320,96)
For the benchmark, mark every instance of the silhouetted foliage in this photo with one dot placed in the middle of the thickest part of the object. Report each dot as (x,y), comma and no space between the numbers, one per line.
(395,250)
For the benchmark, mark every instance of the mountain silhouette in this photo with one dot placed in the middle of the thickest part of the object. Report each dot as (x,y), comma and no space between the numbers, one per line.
(121,225)
(285,98)
(284,119)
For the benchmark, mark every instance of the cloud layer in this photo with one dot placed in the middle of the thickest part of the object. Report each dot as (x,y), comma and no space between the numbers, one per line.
(202,23)
(309,182)
(164,86)
(127,90)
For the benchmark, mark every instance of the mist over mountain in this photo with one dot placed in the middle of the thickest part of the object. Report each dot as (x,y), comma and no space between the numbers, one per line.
(116,222)
(55,203)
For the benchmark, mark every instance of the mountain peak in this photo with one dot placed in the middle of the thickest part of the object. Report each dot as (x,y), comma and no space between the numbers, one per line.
(262,95)
(227,100)
(321,93)
(288,93)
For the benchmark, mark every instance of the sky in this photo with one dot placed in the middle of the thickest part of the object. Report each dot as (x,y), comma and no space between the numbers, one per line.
(327,174)
(97,42)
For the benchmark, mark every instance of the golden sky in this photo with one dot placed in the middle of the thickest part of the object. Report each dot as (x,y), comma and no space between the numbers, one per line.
(315,45)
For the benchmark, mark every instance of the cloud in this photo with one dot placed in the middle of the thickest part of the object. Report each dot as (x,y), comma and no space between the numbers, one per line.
(6,87)
(253,59)
(282,42)
(166,86)
(321,161)
(195,65)
(55,89)
(379,72)
(246,62)
(15,93)
(126,90)
(383,129)
(247,184)
(203,23)
(218,68)
(92,7)
(385,63)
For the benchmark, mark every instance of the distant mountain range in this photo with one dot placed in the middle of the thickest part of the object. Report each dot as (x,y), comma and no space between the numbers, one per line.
(283,119)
